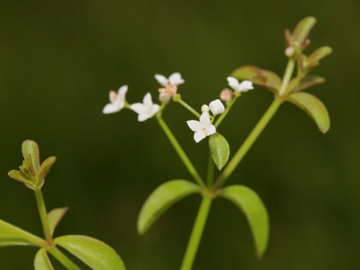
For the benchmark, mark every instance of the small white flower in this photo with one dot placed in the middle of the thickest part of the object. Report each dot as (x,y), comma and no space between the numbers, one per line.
(201,128)
(117,100)
(146,109)
(216,107)
(164,97)
(204,108)
(174,79)
(244,86)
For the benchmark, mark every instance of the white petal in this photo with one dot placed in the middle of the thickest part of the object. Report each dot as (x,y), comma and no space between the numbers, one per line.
(138,107)
(216,107)
(111,108)
(122,91)
(154,110)
(147,100)
(198,136)
(205,119)
(143,116)
(176,79)
(194,125)
(246,86)
(113,96)
(161,79)
(233,82)
(210,130)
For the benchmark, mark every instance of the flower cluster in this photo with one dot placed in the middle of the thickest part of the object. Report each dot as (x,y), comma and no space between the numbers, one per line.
(147,109)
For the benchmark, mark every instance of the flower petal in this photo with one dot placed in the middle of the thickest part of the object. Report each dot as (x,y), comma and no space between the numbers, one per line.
(154,110)
(113,96)
(205,119)
(245,86)
(147,100)
(161,79)
(111,108)
(143,116)
(138,107)
(216,107)
(122,91)
(176,79)
(194,125)
(233,82)
(198,136)
(210,130)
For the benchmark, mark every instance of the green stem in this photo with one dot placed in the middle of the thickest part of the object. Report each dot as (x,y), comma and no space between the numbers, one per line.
(287,76)
(180,151)
(210,172)
(24,234)
(43,216)
(65,261)
(231,103)
(196,234)
(187,106)
(248,142)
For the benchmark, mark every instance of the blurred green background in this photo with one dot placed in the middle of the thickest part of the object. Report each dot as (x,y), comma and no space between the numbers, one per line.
(58,61)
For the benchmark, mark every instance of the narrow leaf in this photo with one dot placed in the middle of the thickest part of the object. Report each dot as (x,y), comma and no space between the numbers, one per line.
(314,107)
(46,166)
(11,235)
(319,54)
(219,149)
(96,254)
(55,216)
(17,175)
(307,82)
(30,151)
(161,199)
(262,77)
(255,212)
(42,261)
(303,29)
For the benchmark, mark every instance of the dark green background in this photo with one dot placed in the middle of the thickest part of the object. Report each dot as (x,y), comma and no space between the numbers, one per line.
(59,59)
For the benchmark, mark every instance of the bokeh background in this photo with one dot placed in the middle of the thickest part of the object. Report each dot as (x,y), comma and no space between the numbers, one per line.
(58,61)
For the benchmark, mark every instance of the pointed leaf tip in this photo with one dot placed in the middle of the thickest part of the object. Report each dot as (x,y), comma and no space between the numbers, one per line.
(303,29)
(55,216)
(220,150)
(161,199)
(95,253)
(255,212)
(42,261)
(46,166)
(314,107)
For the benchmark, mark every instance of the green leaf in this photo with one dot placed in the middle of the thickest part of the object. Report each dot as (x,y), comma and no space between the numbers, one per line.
(314,107)
(303,29)
(307,82)
(262,77)
(255,212)
(30,151)
(46,166)
(314,58)
(17,175)
(219,149)
(161,199)
(42,261)
(96,254)
(11,235)
(55,216)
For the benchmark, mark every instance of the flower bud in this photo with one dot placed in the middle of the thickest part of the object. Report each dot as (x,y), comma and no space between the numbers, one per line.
(216,107)
(164,98)
(226,95)
(204,108)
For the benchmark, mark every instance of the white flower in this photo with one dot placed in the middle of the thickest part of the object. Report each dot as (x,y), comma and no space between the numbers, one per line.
(201,128)
(146,109)
(244,86)
(216,107)
(174,79)
(164,97)
(117,100)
